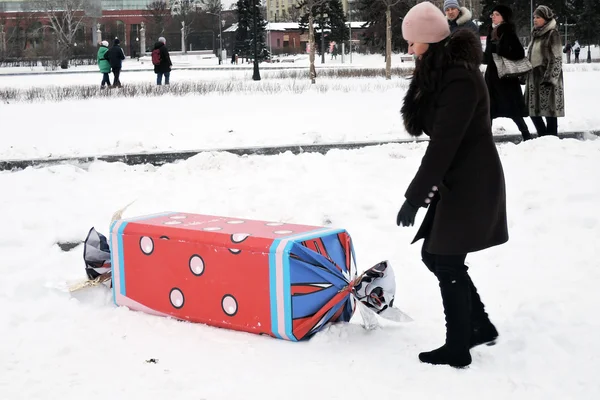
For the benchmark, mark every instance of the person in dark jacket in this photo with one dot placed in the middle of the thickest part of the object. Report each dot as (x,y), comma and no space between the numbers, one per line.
(460,180)
(459,17)
(164,68)
(115,57)
(567,50)
(506,97)
(576,50)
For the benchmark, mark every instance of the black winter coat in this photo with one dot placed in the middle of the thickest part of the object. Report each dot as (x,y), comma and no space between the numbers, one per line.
(506,97)
(463,21)
(165,59)
(115,56)
(461,178)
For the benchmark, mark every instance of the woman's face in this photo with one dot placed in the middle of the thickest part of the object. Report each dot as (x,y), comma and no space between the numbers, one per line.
(497,18)
(538,22)
(418,49)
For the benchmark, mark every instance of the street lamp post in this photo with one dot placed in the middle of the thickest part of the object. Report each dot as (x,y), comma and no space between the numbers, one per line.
(531,5)
(589,56)
(220,34)
(567,25)
(322,42)
(350,32)
(256,74)
(589,12)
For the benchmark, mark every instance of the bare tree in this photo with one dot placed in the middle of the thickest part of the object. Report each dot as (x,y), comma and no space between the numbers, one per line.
(66,18)
(384,19)
(388,36)
(212,6)
(294,14)
(22,31)
(186,12)
(158,18)
(309,6)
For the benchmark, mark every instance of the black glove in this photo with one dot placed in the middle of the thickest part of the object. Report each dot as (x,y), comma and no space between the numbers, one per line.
(406,215)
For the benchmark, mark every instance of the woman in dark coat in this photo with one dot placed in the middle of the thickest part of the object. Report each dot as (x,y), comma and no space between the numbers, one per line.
(506,97)
(460,179)
(164,68)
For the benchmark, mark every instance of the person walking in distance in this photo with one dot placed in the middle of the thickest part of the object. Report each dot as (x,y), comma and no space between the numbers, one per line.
(576,51)
(162,61)
(103,64)
(460,180)
(567,50)
(115,57)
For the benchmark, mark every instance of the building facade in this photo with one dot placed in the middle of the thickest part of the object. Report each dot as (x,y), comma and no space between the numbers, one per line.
(104,19)
(285,10)
(23,32)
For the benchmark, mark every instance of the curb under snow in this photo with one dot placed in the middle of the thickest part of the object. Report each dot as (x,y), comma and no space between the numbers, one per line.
(161,158)
(184,68)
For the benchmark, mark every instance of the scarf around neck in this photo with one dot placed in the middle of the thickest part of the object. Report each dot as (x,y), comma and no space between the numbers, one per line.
(495,32)
(535,51)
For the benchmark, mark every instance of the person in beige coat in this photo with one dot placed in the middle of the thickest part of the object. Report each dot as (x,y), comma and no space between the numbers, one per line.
(544,91)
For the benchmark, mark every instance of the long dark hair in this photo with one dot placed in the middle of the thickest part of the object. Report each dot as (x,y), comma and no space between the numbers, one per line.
(429,69)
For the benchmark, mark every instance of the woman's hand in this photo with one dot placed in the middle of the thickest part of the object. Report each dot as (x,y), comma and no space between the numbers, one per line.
(406,215)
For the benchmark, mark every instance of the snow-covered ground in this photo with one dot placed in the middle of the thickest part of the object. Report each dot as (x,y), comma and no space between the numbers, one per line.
(541,288)
(209,61)
(334,110)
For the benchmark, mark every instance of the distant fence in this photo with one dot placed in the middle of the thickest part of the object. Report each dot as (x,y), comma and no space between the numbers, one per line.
(46,61)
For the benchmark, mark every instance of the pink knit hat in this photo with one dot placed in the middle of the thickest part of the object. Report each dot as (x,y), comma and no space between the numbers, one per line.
(425,23)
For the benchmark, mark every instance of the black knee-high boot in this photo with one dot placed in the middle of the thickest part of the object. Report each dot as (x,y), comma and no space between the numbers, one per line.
(482,329)
(456,297)
(520,122)
(540,126)
(552,125)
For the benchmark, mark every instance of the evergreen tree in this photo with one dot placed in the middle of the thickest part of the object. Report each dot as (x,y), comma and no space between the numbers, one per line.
(373,12)
(337,22)
(587,17)
(212,6)
(244,36)
(329,19)
(321,22)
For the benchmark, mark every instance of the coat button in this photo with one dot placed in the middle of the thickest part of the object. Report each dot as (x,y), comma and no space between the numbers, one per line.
(427,201)
(434,188)
(431,194)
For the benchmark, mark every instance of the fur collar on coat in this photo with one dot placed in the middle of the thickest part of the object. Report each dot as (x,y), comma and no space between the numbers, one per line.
(463,50)
(464,17)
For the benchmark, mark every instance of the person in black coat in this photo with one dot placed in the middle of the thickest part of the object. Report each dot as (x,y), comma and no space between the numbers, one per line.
(164,68)
(506,97)
(568,50)
(460,180)
(459,17)
(115,57)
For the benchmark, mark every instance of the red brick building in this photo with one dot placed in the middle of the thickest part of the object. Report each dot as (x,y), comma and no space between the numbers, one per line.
(22,32)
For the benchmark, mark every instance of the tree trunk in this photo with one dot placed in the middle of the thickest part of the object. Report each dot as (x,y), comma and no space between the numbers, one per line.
(311,43)
(322,43)
(388,43)
(65,55)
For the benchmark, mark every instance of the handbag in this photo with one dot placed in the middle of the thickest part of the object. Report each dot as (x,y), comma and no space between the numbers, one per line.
(511,68)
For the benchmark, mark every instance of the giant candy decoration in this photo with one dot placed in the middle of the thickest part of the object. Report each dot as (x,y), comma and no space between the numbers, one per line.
(273,278)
